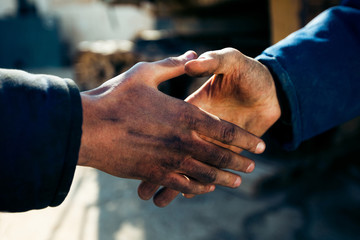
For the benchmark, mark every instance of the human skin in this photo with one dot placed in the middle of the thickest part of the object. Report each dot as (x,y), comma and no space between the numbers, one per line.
(241,90)
(132,130)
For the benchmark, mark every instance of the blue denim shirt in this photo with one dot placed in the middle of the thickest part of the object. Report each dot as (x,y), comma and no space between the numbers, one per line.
(317,74)
(40,128)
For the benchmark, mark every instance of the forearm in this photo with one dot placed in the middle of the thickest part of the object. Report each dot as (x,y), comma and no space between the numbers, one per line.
(317,73)
(40,136)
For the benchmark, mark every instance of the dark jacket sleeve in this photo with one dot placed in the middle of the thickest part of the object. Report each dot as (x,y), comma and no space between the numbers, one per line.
(40,133)
(317,73)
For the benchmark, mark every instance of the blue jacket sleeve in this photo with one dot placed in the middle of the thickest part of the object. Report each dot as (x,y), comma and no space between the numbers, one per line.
(317,73)
(40,132)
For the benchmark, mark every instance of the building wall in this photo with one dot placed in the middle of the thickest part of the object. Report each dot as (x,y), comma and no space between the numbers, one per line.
(89,20)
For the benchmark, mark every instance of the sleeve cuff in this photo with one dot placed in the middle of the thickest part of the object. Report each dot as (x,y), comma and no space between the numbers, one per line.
(73,146)
(287,130)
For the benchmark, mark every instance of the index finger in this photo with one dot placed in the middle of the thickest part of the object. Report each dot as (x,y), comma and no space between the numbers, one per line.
(157,72)
(225,132)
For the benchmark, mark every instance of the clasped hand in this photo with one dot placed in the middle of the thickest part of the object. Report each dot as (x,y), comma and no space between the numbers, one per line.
(132,130)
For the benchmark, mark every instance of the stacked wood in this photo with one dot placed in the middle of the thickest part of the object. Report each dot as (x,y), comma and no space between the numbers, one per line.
(289,16)
(200,25)
(99,61)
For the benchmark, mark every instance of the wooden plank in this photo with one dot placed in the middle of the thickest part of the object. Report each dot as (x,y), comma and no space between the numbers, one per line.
(285,18)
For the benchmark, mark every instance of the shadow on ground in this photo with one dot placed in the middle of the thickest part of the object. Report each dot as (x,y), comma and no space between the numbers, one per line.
(310,194)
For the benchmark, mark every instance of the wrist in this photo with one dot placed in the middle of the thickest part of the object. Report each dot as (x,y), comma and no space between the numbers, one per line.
(267,110)
(84,152)
(278,100)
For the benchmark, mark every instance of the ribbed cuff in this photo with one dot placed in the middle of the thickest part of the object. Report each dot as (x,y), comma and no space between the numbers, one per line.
(73,145)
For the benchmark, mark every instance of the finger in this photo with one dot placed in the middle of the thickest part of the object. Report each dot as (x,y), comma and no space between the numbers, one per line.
(214,62)
(185,185)
(219,157)
(160,71)
(146,190)
(206,174)
(232,148)
(164,197)
(189,195)
(211,126)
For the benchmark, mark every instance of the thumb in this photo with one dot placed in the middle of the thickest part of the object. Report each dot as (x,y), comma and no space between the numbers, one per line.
(213,62)
(169,68)
(202,67)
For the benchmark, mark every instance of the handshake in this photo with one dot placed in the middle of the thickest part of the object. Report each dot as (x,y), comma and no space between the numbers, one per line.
(132,130)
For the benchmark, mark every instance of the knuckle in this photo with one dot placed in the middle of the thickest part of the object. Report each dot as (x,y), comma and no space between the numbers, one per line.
(231,50)
(171,164)
(187,189)
(187,163)
(177,144)
(233,55)
(199,172)
(172,181)
(172,61)
(141,66)
(168,180)
(212,54)
(155,175)
(188,118)
(228,134)
(224,160)
(210,176)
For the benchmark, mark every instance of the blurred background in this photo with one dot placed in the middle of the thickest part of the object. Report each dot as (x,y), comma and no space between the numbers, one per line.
(311,193)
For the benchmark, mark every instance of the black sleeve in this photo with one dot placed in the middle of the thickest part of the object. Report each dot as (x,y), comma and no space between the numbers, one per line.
(40,133)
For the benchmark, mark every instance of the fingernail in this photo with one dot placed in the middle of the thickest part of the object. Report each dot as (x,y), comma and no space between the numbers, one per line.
(190,55)
(250,168)
(260,147)
(237,182)
(212,188)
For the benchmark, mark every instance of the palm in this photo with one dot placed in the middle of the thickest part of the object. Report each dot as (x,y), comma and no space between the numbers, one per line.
(241,91)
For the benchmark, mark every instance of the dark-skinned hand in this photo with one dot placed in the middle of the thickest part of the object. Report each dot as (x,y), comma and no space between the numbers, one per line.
(241,90)
(132,130)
